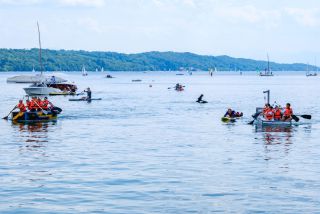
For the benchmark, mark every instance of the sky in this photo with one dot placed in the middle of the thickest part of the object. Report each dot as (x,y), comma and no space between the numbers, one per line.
(288,30)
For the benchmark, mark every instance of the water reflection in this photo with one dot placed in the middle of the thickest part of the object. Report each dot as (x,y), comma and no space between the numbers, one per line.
(34,134)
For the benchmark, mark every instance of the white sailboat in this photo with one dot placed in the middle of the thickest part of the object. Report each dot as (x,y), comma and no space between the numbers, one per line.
(40,87)
(102,70)
(84,72)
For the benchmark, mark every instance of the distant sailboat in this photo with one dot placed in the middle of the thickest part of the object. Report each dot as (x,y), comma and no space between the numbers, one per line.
(102,70)
(267,72)
(308,74)
(33,69)
(84,72)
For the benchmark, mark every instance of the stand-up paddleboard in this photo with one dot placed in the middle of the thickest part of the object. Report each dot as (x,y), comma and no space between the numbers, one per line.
(85,99)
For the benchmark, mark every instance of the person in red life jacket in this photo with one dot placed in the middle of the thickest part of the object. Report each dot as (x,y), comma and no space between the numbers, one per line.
(287,114)
(34,104)
(21,106)
(268,114)
(39,101)
(29,105)
(277,113)
(265,108)
(45,103)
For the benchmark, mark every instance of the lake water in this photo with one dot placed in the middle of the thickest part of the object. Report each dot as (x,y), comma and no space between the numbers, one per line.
(148,149)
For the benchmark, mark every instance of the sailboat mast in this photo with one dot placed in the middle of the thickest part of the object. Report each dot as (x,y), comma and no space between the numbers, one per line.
(268,63)
(40,55)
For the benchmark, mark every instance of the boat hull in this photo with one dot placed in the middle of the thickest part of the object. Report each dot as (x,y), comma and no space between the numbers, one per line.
(41,91)
(263,122)
(33,117)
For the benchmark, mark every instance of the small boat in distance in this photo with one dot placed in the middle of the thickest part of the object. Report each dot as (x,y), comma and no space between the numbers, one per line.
(309,74)
(84,72)
(267,72)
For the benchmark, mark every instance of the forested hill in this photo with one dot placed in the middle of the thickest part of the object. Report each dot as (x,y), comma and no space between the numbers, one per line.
(69,60)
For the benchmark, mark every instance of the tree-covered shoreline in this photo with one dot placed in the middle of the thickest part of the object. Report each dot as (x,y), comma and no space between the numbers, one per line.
(71,60)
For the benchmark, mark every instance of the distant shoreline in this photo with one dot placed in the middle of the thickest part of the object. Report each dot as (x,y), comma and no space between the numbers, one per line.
(96,61)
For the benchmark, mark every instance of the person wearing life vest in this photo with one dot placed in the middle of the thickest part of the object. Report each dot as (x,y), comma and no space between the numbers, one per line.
(21,106)
(34,104)
(45,103)
(269,113)
(265,108)
(287,114)
(277,113)
(28,104)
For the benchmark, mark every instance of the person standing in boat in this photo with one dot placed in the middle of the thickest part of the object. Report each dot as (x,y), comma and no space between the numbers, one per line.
(287,114)
(53,80)
(88,93)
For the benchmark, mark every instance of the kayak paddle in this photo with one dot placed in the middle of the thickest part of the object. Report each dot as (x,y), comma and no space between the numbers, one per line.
(6,117)
(295,118)
(305,116)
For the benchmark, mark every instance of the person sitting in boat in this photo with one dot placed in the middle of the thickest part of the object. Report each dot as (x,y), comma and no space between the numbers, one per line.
(269,114)
(45,104)
(200,99)
(277,113)
(287,114)
(21,106)
(29,104)
(88,94)
(34,104)
(39,101)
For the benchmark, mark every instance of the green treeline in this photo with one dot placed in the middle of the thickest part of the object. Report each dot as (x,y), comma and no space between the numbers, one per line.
(69,60)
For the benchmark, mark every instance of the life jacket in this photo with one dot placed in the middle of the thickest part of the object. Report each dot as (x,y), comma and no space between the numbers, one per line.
(45,104)
(29,105)
(22,107)
(33,104)
(277,114)
(288,112)
(268,114)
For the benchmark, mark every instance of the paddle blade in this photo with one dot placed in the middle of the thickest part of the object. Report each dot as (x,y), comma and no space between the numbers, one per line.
(251,122)
(306,116)
(5,118)
(295,118)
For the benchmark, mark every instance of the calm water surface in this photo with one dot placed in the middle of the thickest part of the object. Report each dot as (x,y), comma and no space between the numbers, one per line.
(154,150)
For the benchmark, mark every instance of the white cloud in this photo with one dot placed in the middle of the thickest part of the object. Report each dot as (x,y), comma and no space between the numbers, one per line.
(19,2)
(86,3)
(305,17)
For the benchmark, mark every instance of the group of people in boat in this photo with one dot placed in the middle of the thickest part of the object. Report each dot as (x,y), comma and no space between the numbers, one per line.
(34,105)
(277,113)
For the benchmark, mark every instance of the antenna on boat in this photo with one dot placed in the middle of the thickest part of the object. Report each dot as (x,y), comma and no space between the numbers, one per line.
(268,95)
(40,57)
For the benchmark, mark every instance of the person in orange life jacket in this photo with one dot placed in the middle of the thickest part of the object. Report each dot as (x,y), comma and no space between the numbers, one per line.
(21,106)
(265,108)
(269,113)
(34,104)
(29,105)
(39,101)
(287,114)
(277,113)
(45,103)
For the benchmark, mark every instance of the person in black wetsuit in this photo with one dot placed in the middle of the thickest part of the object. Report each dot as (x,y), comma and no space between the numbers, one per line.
(200,99)
(88,94)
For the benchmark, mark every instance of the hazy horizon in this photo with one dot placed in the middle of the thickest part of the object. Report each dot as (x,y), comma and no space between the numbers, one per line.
(287,30)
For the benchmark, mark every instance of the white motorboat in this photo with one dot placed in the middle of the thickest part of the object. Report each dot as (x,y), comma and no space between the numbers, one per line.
(41,89)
